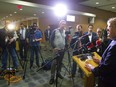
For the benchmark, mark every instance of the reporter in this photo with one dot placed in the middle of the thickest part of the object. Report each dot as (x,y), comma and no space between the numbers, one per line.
(106,71)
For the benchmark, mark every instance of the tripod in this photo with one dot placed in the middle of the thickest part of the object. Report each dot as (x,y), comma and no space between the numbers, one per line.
(25,63)
(10,52)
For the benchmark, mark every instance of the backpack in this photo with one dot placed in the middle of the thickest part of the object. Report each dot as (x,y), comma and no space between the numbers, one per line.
(46,64)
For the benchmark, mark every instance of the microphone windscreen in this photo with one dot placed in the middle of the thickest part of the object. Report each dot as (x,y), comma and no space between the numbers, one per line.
(98,42)
(91,45)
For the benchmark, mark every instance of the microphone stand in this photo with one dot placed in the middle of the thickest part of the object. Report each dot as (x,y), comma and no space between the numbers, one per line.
(56,57)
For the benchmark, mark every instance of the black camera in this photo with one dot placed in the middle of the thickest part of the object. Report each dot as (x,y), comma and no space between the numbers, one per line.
(31,30)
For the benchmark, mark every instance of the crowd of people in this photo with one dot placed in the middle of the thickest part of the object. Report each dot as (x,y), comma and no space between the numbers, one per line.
(102,41)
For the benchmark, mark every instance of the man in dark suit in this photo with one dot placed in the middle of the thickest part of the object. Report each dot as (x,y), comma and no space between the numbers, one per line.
(106,71)
(22,33)
(91,38)
(47,34)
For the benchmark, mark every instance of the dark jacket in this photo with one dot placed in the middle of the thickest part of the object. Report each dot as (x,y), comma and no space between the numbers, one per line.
(74,43)
(47,36)
(107,68)
(3,34)
(86,40)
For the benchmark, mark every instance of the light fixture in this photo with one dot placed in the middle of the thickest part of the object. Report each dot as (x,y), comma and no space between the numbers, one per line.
(10,14)
(60,10)
(15,12)
(97,3)
(113,7)
(34,14)
(21,9)
(43,12)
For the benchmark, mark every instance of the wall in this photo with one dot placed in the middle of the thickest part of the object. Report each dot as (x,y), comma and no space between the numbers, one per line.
(100,20)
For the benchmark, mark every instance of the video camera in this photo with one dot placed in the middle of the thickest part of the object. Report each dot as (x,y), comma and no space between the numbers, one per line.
(32,28)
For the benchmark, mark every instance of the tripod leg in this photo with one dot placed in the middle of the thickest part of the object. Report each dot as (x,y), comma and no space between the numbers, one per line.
(25,66)
(19,59)
(65,68)
(69,61)
(7,53)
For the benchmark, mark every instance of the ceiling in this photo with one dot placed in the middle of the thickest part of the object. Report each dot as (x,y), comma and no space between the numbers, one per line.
(109,5)
(40,8)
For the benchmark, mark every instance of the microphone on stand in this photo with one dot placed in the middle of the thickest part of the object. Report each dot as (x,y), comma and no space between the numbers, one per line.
(90,46)
(83,36)
(98,43)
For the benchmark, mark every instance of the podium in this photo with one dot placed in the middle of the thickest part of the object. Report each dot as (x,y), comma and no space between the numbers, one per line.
(89,80)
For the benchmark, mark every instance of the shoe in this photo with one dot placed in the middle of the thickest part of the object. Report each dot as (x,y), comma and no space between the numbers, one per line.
(60,76)
(71,76)
(51,81)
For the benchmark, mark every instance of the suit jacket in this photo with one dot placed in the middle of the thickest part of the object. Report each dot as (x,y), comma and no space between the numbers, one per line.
(94,38)
(19,33)
(47,37)
(107,68)
(86,41)
(75,46)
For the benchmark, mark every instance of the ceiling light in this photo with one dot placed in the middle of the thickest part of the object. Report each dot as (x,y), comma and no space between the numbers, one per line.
(6,16)
(97,3)
(60,10)
(113,7)
(10,14)
(42,12)
(20,9)
(15,12)
(34,14)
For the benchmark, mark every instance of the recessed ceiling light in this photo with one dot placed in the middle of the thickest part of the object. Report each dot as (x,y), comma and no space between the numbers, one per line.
(97,3)
(15,12)
(113,7)
(43,12)
(10,14)
(34,14)
(20,9)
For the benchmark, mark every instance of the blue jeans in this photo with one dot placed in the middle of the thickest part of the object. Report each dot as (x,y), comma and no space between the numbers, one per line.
(34,49)
(9,52)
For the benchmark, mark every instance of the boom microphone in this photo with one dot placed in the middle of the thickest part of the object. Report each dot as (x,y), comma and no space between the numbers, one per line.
(83,36)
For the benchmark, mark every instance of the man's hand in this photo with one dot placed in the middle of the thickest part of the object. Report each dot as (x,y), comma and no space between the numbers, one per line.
(89,67)
(96,60)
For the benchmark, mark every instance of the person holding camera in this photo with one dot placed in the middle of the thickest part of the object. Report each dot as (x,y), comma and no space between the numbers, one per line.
(8,44)
(35,36)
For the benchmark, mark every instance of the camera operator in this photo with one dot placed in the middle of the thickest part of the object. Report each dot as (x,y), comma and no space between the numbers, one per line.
(7,40)
(35,36)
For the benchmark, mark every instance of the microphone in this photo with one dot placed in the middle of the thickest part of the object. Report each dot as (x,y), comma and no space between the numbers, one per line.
(98,43)
(83,36)
(90,45)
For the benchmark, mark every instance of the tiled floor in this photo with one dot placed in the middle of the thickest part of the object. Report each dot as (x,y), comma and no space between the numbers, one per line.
(41,78)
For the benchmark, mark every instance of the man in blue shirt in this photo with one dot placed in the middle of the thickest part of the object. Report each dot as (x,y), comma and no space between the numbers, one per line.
(35,36)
